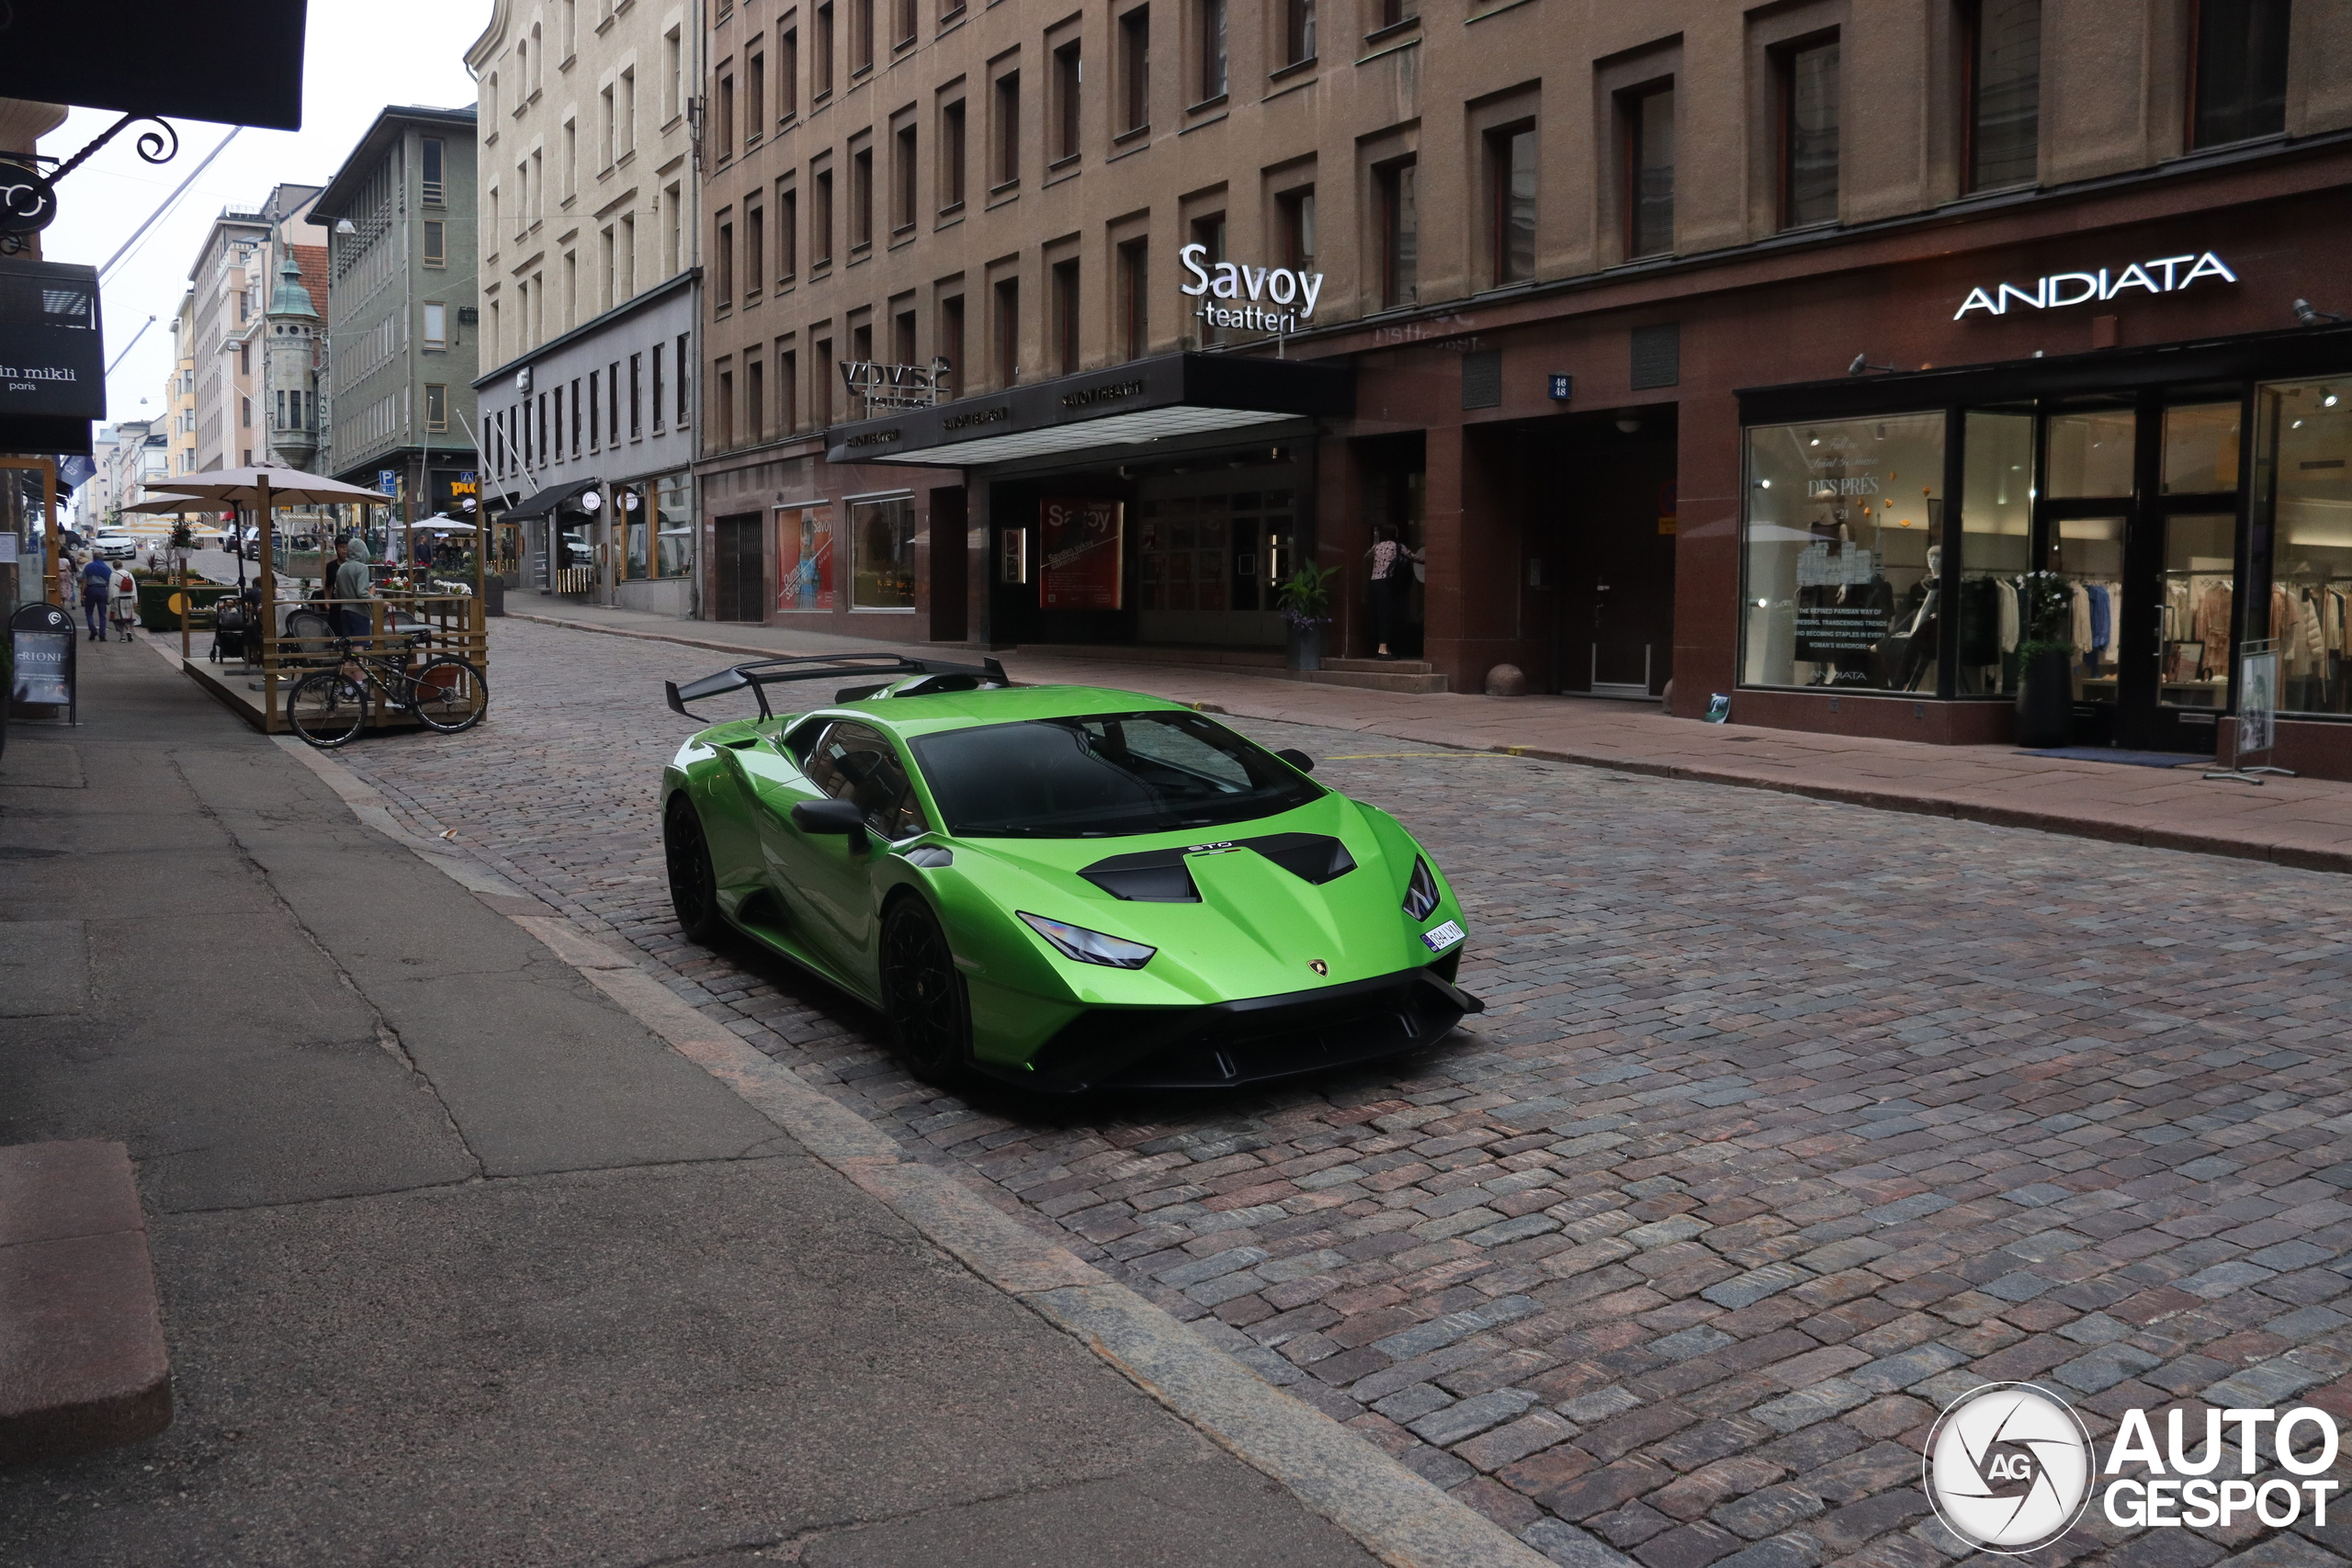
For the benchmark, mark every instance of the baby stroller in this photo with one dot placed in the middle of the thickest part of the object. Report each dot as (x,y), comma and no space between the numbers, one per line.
(232,622)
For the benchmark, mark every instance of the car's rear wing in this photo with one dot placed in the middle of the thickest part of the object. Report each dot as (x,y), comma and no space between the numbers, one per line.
(760,673)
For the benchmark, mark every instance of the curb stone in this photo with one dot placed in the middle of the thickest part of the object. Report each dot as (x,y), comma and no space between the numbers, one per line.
(2295,857)
(1397,1516)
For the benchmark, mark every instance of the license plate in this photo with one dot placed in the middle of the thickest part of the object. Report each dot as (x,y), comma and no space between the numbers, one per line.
(1443,937)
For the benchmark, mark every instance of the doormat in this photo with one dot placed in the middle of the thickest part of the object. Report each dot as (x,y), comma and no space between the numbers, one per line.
(2130,759)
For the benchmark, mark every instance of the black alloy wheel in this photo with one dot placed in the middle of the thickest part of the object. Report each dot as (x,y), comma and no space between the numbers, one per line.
(923,994)
(694,890)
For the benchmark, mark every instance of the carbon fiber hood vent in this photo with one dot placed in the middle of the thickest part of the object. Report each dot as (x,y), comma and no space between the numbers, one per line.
(1160,876)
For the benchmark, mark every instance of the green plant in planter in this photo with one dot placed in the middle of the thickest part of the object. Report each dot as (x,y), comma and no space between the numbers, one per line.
(183,535)
(1305,597)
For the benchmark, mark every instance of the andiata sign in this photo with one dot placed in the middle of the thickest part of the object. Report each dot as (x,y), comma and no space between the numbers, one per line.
(2166,275)
(1265,298)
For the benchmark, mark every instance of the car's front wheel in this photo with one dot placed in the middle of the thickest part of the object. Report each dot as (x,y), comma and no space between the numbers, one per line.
(694,890)
(924,995)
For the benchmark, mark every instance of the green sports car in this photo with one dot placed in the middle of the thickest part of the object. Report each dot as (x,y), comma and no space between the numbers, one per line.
(1065,887)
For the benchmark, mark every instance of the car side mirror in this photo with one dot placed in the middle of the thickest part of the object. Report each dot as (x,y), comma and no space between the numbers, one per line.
(1296,759)
(832,816)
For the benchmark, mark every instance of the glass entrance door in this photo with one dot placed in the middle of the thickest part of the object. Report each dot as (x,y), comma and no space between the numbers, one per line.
(2139,522)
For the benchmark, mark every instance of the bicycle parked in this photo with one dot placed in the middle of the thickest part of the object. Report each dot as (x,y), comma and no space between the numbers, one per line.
(328,707)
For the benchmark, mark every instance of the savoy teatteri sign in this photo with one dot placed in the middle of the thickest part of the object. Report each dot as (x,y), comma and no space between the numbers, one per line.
(2167,275)
(1265,298)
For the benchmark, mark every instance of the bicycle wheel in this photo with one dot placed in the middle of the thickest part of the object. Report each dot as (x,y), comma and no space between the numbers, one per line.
(326,709)
(449,694)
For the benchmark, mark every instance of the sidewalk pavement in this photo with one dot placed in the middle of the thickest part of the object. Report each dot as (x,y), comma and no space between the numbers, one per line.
(462,1262)
(2305,823)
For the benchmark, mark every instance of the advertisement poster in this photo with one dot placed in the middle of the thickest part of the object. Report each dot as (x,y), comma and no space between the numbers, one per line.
(1079,554)
(2257,697)
(43,638)
(804,556)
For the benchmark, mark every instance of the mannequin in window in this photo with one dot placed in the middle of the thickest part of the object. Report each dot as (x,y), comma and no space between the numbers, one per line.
(1921,619)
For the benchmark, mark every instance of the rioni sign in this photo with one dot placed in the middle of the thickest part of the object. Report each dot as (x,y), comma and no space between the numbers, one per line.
(2062,288)
(1292,294)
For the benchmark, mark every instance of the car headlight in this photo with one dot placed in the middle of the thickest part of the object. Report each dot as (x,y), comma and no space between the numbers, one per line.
(1420,893)
(1088,947)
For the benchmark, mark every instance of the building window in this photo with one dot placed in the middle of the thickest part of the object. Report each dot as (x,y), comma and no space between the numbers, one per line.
(1649,171)
(820,221)
(787,389)
(635,396)
(436,324)
(1068,78)
(673,73)
(949,344)
(860,36)
(1808,77)
(861,199)
(2003,93)
(903,32)
(1008,129)
(1511,196)
(726,405)
(755,252)
(787,76)
(1298,32)
(1213,23)
(1134,69)
(246,412)
(436,406)
(902,338)
(595,411)
(575,416)
(756,98)
(656,399)
(435,191)
(245,359)
(902,204)
(1008,332)
(1135,298)
(1395,13)
(951,157)
(882,564)
(684,339)
(1834,584)
(1066,318)
(436,241)
(613,403)
(2239,61)
(787,234)
(722,119)
(824,85)
(820,381)
(1296,211)
(722,262)
(1400,235)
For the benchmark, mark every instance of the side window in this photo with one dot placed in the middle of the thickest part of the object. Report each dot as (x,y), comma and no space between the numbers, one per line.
(855,763)
(800,743)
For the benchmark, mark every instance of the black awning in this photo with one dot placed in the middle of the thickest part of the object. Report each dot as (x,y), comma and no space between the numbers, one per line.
(547,500)
(1144,400)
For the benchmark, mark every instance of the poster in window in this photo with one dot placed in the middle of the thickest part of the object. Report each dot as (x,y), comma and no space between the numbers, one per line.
(804,554)
(1080,554)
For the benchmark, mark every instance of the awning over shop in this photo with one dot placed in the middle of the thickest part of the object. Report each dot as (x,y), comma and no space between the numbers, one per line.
(1128,405)
(547,500)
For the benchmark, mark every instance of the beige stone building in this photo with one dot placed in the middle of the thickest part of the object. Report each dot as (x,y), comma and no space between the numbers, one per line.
(588,237)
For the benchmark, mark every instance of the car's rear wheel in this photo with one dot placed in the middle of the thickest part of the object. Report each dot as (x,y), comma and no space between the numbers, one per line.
(694,890)
(923,994)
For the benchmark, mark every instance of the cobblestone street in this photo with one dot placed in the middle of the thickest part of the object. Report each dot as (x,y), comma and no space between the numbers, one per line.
(1788,1122)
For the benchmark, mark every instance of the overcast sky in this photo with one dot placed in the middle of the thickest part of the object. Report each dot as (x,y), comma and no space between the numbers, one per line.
(357,58)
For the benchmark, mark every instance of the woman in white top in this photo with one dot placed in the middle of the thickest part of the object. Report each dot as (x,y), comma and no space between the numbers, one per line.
(123,608)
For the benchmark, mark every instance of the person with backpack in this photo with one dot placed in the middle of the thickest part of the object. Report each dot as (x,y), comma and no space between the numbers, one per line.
(125,606)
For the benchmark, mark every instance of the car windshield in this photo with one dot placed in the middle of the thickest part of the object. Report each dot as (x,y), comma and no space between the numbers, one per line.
(1102,775)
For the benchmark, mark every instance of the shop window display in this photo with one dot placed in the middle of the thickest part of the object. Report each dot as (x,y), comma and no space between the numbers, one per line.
(674,536)
(636,520)
(1996,546)
(1842,585)
(2304,489)
(804,554)
(882,541)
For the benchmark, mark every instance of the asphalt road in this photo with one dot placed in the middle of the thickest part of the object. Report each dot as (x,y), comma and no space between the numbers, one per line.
(1790,1123)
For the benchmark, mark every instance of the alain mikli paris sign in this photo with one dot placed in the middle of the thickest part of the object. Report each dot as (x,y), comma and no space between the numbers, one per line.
(2166,275)
(1261,298)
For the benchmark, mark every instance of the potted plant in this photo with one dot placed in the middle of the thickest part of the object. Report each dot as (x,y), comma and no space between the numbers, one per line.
(1305,599)
(2045,660)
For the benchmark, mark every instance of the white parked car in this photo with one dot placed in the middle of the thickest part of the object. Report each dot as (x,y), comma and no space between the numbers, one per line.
(115,547)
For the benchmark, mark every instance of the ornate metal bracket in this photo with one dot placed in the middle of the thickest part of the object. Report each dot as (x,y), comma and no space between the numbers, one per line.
(28,197)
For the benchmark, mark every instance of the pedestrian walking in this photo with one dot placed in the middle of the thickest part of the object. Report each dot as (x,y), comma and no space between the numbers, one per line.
(348,581)
(125,607)
(1392,581)
(97,588)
